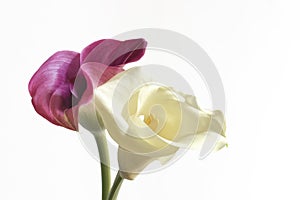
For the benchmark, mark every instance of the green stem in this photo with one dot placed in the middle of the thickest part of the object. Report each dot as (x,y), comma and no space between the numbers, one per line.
(116,187)
(104,162)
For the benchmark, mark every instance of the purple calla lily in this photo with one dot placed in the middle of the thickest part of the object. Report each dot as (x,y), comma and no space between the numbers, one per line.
(66,80)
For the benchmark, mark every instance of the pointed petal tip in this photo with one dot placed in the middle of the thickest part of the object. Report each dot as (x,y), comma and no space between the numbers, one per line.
(114,52)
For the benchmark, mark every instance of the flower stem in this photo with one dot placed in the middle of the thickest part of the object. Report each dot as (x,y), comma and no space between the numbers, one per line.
(116,187)
(104,163)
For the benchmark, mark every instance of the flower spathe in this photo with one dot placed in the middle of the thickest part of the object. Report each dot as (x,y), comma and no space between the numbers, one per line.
(64,81)
(153,121)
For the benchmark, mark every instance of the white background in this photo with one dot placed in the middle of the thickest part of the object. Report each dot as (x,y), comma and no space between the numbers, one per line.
(255,46)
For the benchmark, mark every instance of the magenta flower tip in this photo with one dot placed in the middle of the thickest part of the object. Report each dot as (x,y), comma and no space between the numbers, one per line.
(66,79)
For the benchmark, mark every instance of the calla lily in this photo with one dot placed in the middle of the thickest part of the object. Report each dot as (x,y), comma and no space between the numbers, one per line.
(150,121)
(61,85)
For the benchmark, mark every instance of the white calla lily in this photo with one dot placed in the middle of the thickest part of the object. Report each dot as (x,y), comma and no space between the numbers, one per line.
(153,121)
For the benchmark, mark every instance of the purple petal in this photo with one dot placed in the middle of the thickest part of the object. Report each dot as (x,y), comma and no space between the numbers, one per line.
(50,87)
(95,74)
(61,85)
(113,52)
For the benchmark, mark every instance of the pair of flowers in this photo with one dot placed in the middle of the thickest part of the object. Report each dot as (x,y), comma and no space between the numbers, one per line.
(148,121)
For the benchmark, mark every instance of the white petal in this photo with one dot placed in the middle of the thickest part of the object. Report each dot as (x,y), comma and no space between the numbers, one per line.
(151,122)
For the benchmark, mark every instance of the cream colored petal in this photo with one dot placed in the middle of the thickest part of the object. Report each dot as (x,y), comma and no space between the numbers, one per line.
(208,124)
(87,117)
(151,122)
(131,164)
(174,116)
(119,132)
